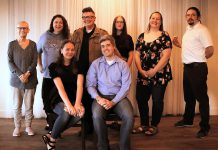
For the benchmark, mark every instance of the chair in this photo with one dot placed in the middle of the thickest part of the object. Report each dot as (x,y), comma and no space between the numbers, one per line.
(55,95)
(111,116)
(82,125)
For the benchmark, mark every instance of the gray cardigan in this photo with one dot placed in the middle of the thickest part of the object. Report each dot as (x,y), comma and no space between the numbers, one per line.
(20,61)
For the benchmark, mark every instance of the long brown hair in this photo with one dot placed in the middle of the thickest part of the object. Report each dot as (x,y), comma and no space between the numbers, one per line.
(161,19)
(114,30)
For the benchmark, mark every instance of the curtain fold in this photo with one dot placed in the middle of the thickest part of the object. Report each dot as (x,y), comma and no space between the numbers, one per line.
(136,12)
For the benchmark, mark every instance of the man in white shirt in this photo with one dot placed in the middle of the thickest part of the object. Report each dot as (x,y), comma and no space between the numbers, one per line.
(197,47)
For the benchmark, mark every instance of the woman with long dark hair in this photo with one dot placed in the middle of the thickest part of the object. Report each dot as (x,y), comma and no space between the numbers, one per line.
(123,40)
(66,95)
(48,50)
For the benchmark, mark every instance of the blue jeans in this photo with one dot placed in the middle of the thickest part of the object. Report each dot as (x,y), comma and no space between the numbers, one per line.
(63,121)
(125,111)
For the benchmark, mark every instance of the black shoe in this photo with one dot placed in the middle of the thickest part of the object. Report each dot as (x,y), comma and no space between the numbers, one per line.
(47,127)
(182,123)
(202,133)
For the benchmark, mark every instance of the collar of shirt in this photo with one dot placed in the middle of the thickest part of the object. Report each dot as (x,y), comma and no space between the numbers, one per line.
(103,59)
(193,27)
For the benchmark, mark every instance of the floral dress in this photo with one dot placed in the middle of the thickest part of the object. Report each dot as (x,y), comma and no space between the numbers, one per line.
(150,55)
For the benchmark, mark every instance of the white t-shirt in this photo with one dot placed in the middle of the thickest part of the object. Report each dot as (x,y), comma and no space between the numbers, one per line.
(194,42)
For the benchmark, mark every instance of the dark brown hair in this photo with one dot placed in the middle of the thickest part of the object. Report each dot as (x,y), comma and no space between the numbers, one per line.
(65,31)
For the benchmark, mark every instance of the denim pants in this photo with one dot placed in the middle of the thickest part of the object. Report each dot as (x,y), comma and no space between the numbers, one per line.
(143,94)
(125,111)
(20,95)
(195,88)
(63,121)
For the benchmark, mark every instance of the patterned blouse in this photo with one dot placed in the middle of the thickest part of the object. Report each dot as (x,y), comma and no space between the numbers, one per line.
(150,54)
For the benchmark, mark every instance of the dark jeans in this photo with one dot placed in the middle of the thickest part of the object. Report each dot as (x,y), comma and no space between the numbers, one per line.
(143,93)
(63,121)
(125,111)
(195,88)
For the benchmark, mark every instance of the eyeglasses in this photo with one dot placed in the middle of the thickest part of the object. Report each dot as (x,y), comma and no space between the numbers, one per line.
(119,22)
(88,17)
(22,28)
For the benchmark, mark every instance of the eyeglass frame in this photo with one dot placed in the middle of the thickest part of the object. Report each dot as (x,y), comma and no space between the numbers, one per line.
(23,28)
(88,17)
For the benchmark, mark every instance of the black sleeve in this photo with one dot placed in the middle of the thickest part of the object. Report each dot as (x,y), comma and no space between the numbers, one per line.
(53,70)
(139,41)
(167,41)
(131,44)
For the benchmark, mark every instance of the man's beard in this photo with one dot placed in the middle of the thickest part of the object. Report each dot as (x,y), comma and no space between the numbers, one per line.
(191,22)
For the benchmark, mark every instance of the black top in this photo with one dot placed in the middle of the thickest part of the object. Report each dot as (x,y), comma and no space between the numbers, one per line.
(124,45)
(68,75)
(150,54)
(84,54)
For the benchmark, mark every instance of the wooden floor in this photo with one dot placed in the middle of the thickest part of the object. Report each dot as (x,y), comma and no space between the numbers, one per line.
(168,138)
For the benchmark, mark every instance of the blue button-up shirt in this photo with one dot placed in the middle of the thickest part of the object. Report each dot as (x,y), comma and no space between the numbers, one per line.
(114,79)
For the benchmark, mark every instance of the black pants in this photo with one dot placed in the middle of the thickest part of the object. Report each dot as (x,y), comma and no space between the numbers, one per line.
(143,93)
(47,86)
(87,102)
(195,88)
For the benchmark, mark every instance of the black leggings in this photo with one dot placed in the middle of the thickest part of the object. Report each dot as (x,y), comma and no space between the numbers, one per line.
(143,93)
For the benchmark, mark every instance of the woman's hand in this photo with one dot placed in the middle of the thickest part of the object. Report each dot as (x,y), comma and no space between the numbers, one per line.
(71,110)
(80,110)
(151,72)
(143,73)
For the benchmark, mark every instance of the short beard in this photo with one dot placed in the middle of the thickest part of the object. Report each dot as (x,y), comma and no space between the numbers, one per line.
(191,23)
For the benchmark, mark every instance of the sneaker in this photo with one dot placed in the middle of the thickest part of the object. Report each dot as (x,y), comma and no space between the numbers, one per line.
(182,123)
(202,133)
(29,131)
(16,132)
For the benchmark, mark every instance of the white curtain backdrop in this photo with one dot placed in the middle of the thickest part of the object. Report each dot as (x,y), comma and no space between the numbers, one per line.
(136,12)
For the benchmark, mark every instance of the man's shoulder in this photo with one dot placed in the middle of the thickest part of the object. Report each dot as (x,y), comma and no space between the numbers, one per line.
(101,31)
(78,30)
(98,60)
(119,60)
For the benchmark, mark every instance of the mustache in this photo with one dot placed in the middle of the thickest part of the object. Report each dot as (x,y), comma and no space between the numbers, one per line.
(190,19)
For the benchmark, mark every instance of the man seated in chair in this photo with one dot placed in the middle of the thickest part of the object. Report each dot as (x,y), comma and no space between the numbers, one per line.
(108,83)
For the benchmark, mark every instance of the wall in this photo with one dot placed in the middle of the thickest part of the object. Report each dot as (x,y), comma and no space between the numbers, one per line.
(212,63)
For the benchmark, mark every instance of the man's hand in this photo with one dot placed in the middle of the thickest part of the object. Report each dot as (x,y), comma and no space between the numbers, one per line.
(107,104)
(176,42)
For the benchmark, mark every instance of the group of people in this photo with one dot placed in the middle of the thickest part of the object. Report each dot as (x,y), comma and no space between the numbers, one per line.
(87,74)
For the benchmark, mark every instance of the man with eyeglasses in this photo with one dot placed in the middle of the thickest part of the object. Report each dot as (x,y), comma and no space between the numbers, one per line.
(22,60)
(88,49)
